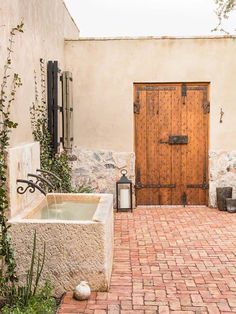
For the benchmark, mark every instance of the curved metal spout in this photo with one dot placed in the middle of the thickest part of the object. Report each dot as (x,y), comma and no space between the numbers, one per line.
(31,186)
(41,180)
(49,173)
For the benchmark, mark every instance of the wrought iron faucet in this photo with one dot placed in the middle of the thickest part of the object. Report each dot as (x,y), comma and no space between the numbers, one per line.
(42,182)
(50,176)
(31,186)
(49,173)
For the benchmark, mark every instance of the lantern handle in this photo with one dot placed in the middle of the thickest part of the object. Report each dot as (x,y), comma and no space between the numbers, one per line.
(124,172)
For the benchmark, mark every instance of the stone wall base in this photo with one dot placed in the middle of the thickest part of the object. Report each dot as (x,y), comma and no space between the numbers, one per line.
(222,166)
(101,169)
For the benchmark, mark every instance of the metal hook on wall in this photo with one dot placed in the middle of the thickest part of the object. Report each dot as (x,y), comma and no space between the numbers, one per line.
(221,115)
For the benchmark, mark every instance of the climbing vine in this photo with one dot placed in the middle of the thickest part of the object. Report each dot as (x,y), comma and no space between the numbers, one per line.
(39,122)
(56,163)
(9,85)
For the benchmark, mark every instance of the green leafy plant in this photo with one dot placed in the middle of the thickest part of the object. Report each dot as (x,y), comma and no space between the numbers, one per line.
(26,292)
(56,163)
(40,303)
(39,121)
(223,10)
(28,298)
(83,189)
(9,85)
(60,165)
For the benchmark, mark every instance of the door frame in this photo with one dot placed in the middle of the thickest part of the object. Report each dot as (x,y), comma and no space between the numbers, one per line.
(203,83)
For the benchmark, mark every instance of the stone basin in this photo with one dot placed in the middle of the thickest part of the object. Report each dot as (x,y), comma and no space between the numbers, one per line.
(78,247)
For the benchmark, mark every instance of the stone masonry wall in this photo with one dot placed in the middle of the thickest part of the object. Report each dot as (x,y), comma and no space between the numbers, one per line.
(222,172)
(100,169)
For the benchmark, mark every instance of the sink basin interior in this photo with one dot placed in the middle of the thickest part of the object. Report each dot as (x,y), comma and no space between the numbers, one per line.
(71,207)
(66,210)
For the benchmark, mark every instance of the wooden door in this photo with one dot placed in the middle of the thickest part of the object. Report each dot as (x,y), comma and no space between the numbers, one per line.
(171,143)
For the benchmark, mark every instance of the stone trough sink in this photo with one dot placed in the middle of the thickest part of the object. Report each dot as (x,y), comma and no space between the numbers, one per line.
(79,239)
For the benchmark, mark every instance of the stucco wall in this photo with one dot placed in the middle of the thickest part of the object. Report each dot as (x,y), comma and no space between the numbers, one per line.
(105,70)
(22,160)
(46,24)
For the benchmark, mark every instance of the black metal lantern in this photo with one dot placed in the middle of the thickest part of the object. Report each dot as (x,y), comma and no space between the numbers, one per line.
(124,189)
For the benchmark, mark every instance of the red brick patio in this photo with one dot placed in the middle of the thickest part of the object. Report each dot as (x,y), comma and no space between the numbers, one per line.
(169,260)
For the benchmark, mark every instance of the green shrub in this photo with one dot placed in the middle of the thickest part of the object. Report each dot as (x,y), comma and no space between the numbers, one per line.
(56,163)
(40,303)
(28,299)
(9,83)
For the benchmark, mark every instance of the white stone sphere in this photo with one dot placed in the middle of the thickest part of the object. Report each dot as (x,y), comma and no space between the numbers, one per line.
(82,291)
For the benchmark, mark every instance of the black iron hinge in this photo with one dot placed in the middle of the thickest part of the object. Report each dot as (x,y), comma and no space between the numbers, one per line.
(136,107)
(137,104)
(205,103)
(184,93)
(184,90)
(138,176)
(206,107)
(203,186)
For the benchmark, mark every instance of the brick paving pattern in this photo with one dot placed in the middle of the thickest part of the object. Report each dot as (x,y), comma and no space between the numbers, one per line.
(169,260)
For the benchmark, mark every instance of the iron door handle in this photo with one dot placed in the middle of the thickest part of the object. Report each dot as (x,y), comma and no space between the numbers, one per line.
(163,142)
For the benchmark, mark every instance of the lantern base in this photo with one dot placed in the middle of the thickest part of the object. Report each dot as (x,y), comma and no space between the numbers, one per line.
(124,210)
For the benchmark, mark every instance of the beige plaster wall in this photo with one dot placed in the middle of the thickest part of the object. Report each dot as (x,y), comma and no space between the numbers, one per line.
(104,72)
(47,24)
(22,160)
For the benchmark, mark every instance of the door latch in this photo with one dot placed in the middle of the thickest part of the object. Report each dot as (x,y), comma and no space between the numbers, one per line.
(176,140)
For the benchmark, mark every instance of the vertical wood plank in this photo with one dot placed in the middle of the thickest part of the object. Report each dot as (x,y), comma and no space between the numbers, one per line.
(152,160)
(192,153)
(197,156)
(201,148)
(176,163)
(165,117)
(141,146)
(184,148)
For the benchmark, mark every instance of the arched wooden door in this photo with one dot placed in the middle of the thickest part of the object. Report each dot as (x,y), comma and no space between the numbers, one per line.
(171,143)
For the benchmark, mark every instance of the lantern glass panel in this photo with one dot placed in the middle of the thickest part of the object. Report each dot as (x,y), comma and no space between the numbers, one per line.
(124,196)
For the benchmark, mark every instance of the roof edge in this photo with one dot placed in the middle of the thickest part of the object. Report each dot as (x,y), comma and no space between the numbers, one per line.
(152,37)
(70,16)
